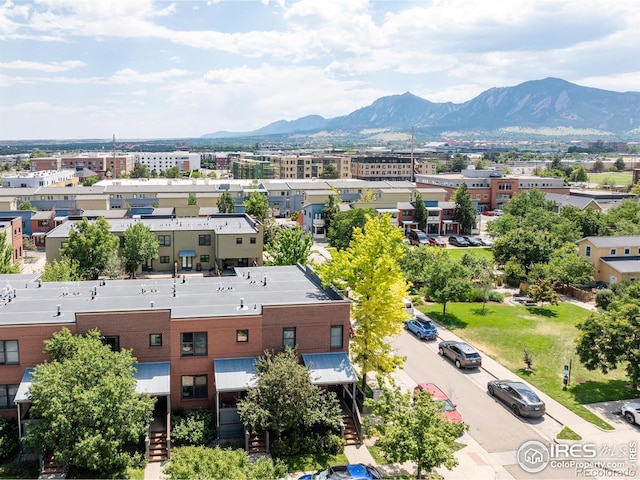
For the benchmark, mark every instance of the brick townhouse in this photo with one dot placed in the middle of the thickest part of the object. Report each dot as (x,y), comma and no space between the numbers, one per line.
(196,339)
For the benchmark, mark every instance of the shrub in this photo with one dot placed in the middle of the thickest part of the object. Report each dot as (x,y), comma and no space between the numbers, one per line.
(604,297)
(477,296)
(194,427)
(8,438)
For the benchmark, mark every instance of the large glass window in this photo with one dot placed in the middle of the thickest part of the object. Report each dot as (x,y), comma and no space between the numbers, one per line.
(193,344)
(289,337)
(336,336)
(113,341)
(204,239)
(9,352)
(164,240)
(8,395)
(194,386)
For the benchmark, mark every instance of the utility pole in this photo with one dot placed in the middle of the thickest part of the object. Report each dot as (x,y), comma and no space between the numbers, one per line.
(114,156)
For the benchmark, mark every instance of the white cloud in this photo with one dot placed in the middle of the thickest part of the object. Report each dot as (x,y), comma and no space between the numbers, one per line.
(52,67)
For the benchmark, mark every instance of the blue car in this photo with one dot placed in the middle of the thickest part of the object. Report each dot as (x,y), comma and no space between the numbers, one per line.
(422,327)
(357,471)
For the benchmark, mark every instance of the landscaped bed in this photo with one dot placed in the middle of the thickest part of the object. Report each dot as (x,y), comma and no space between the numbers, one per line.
(549,333)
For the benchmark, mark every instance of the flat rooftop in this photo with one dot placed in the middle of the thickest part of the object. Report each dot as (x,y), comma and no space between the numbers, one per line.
(222,224)
(196,297)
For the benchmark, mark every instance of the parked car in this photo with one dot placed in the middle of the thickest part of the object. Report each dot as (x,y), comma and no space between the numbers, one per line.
(462,354)
(518,396)
(498,213)
(473,241)
(449,410)
(358,471)
(489,213)
(486,241)
(417,237)
(458,241)
(437,241)
(422,327)
(631,412)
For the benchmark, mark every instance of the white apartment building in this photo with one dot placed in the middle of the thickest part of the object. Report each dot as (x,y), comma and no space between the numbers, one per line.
(161,161)
(42,178)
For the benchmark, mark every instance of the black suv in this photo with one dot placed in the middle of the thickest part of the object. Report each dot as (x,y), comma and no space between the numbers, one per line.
(462,354)
(417,237)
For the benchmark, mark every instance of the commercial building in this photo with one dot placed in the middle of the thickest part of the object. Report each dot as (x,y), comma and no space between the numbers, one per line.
(101,163)
(43,178)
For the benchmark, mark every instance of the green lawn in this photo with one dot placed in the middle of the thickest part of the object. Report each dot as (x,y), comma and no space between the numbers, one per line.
(457,253)
(619,178)
(304,463)
(503,331)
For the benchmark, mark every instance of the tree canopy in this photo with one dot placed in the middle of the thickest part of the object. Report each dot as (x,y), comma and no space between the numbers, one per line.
(331,207)
(290,246)
(91,245)
(302,417)
(226,203)
(369,273)
(140,245)
(257,205)
(6,256)
(86,401)
(342,224)
(610,338)
(447,280)
(140,170)
(65,270)
(421,213)
(408,428)
(330,171)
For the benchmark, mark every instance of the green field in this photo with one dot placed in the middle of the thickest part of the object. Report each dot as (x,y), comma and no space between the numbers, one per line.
(457,253)
(605,178)
(503,331)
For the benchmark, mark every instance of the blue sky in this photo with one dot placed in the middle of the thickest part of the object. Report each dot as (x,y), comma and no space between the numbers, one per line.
(75,69)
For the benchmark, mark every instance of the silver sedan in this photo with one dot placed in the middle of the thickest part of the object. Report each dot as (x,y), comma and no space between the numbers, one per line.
(518,396)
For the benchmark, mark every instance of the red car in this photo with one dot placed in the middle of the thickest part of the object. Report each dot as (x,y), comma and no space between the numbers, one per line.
(437,241)
(448,408)
(489,213)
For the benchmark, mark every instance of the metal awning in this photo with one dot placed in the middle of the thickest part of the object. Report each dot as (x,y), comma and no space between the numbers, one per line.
(235,374)
(330,368)
(187,253)
(153,378)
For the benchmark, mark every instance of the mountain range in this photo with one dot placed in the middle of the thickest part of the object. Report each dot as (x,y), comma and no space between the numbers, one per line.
(547,107)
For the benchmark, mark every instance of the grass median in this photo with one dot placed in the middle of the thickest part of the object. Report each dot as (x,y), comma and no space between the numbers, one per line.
(504,331)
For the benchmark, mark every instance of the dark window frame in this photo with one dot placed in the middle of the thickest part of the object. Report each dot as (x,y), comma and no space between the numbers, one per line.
(153,343)
(204,239)
(238,240)
(288,340)
(3,359)
(242,335)
(7,397)
(196,341)
(333,336)
(164,240)
(113,341)
(198,391)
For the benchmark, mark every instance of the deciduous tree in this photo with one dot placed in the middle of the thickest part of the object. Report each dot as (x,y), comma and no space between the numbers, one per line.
(257,205)
(331,208)
(140,246)
(290,247)
(300,416)
(330,171)
(369,273)
(226,203)
(65,270)
(610,338)
(91,245)
(413,429)
(340,232)
(6,256)
(447,281)
(87,405)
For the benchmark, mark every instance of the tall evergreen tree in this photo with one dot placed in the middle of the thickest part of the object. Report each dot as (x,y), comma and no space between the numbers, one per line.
(421,213)
(465,211)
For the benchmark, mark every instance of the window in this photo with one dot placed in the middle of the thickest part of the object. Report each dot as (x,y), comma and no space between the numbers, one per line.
(193,344)
(164,240)
(613,251)
(194,386)
(252,240)
(113,341)
(155,340)
(242,335)
(7,395)
(336,336)
(9,352)
(164,259)
(204,239)
(289,337)
(627,251)
(238,240)
(204,258)
(587,251)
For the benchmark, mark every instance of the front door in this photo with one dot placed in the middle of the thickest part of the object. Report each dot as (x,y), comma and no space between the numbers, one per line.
(187,263)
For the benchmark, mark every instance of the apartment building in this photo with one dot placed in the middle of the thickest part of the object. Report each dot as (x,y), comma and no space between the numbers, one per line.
(43,178)
(615,259)
(491,189)
(214,244)
(380,167)
(162,161)
(101,163)
(196,340)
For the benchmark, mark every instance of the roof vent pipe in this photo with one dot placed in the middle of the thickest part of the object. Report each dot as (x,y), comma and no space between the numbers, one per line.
(39,283)
(152,303)
(264,280)
(241,303)
(58,307)
(184,278)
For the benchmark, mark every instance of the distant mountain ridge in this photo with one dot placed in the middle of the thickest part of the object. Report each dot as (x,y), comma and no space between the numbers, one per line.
(550,103)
